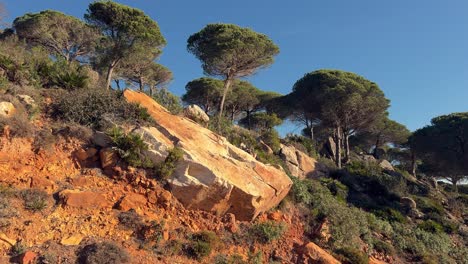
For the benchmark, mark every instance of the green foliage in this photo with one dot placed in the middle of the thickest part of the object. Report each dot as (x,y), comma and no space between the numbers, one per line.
(34,199)
(230,51)
(130,220)
(431,226)
(440,146)
(130,147)
(126,31)
(272,139)
(367,169)
(390,215)
(18,249)
(302,143)
(103,253)
(62,35)
(266,232)
(166,168)
(21,64)
(202,244)
(261,121)
(352,256)
(204,92)
(63,74)
(225,47)
(170,101)
(220,125)
(383,247)
(337,188)
(97,108)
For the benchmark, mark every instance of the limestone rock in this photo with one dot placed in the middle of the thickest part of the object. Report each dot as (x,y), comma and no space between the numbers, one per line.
(213,175)
(132,201)
(7,109)
(197,114)
(101,139)
(384,164)
(311,253)
(298,163)
(26,99)
(72,240)
(108,157)
(408,202)
(83,200)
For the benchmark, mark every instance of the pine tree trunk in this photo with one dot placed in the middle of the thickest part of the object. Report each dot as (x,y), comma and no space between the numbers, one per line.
(227,84)
(109,75)
(347,151)
(140,83)
(338,140)
(413,164)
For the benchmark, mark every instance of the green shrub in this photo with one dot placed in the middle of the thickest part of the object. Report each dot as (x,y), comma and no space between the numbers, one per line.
(221,126)
(34,199)
(266,232)
(170,101)
(97,108)
(391,215)
(352,256)
(202,244)
(368,169)
(173,248)
(302,143)
(429,206)
(62,74)
(152,233)
(18,249)
(166,168)
(272,139)
(103,253)
(130,220)
(300,191)
(383,247)
(130,147)
(337,188)
(431,226)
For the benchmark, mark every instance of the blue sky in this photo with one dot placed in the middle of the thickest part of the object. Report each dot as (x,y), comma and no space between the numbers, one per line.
(417,51)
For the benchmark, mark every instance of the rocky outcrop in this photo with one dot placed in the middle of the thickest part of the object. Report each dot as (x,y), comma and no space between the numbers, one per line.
(386,165)
(311,253)
(197,114)
(298,163)
(213,174)
(83,200)
(7,109)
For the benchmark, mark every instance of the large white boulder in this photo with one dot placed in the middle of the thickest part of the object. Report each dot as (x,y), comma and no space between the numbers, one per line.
(213,175)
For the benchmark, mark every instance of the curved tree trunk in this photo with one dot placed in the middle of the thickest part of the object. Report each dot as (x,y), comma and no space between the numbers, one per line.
(227,85)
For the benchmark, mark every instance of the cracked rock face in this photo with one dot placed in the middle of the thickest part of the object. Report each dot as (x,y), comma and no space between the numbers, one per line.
(298,163)
(213,175)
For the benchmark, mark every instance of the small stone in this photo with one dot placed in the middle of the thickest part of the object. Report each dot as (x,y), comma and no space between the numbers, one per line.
(108,158)
(72,240)
(81,154)
(28,257)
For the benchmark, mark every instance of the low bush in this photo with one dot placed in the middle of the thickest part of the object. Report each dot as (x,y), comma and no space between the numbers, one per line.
(43,140)
(170,101)
(165,170)
(130,220)
(431,226)
(352,256)
(266,232)
(302,143)
(34,199)
(97,108)
(384,247)
(202,244)
(18,249)
(272,139)
(152,233)
(103,253)
(130,147)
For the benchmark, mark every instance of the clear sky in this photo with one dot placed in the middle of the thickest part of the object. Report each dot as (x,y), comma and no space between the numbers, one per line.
(416,50)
